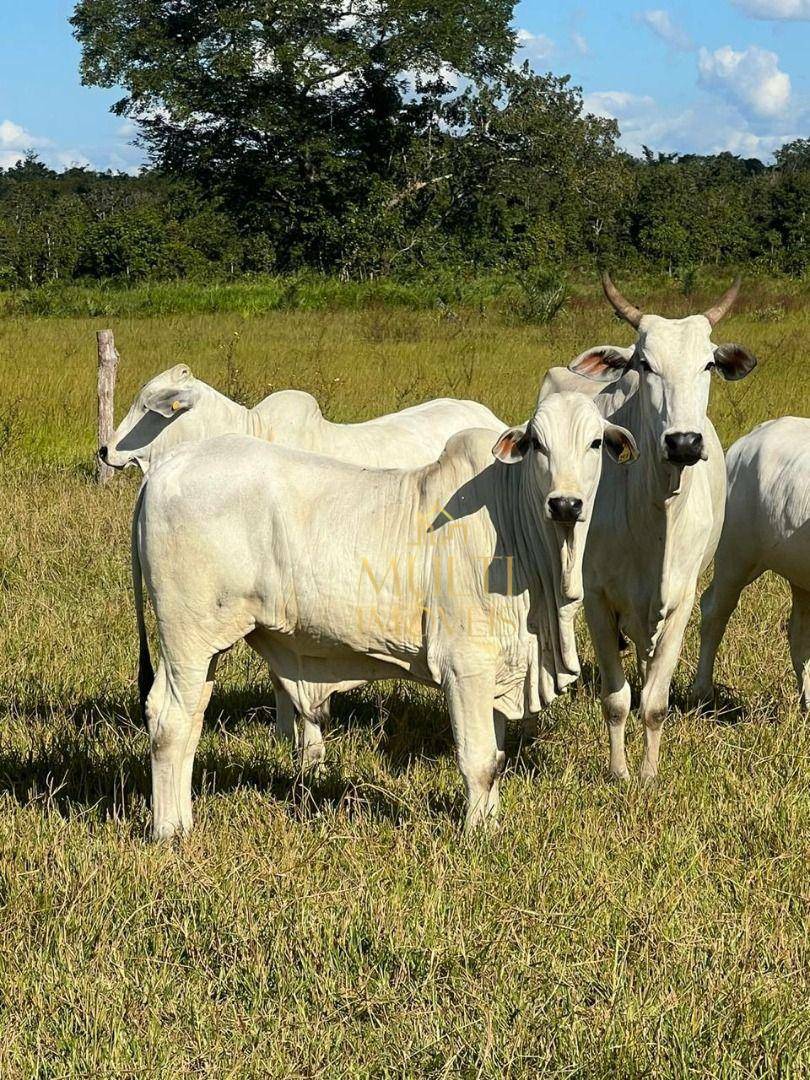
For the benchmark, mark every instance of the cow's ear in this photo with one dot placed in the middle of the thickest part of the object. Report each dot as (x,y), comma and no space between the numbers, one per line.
(512,446)
(603,363)
(172,399)
(620,444)
(733,361)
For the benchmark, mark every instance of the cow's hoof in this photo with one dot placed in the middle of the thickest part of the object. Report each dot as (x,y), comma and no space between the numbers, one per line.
(166,832)
(647,779)
(699,698)
(313,767)
(620,776)
(529,728)
(477,824)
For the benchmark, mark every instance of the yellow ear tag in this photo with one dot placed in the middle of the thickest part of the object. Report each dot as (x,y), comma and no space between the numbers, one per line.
(176,405)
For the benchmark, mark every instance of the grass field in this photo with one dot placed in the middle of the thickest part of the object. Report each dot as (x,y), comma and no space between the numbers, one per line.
(344,928)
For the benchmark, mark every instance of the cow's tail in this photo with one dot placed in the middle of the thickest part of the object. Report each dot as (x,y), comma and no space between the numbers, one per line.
(146,674)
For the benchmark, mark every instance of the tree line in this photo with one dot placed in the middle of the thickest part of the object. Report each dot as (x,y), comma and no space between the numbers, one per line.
(367,138)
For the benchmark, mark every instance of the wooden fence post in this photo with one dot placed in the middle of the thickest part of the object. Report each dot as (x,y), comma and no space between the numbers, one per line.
(107,367)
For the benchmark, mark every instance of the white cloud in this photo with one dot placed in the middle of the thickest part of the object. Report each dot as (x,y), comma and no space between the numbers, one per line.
(11,133)
(15,141)
(710,128)
(69,159)
(116,154)
(747,144)
(580,43)
(533,47)
(9,158)
(663,26)
(775,9)
(641,121)
(751,79)
(617,103)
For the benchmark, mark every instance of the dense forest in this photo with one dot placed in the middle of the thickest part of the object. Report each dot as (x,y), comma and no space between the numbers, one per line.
(367,138)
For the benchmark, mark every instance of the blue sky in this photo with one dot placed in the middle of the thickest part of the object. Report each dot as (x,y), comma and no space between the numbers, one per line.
(686,76)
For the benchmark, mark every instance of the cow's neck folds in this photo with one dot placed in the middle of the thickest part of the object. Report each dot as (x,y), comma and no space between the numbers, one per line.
(548,561)
(657,504)
(653,480)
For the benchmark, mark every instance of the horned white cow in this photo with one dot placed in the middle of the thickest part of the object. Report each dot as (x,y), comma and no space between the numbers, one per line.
(767,527)
(464,574)
(175,407)
(655,527)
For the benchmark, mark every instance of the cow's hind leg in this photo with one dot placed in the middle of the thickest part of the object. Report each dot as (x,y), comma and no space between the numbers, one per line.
(313,749)
(716,607)
(174,711)
(800,643)
(614,687)
(304,732)
(285,716)
(479,737)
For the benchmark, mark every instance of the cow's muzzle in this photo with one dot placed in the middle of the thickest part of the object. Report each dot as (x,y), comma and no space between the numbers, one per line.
(565,509)
(685,447)
(104,455)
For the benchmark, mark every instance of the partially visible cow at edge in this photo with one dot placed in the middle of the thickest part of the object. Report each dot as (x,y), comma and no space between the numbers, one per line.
(767,527)
(655,528)
(175,407)
(465,574)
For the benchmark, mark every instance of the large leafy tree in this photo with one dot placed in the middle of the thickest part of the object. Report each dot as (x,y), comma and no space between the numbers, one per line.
(302,114)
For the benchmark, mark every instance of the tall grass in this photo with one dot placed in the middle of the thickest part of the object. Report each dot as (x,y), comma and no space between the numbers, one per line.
(257,296)
(343,928)
(532,296)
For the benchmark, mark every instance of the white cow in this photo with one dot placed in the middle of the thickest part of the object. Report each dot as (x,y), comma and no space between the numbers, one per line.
(767,527)
(464,574)
(175,407)
(655,527)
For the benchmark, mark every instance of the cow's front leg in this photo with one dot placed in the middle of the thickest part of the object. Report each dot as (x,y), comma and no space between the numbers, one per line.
(614,687)
(174,710)
(655,692)
(479,736)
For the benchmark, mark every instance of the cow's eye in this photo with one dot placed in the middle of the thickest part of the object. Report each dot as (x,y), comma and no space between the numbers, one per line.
(538,445)
(596,444)
(643,364)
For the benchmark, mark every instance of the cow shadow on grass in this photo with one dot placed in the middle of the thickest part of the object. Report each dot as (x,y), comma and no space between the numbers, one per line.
(729,708)
(92,757)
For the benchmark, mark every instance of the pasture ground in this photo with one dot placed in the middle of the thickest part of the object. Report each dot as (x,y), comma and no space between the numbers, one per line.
(344,928)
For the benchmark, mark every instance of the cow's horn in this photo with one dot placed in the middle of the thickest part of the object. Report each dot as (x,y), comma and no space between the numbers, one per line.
(721,308)
(621,306)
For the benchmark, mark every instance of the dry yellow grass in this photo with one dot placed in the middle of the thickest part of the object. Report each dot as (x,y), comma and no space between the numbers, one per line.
(345,929)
